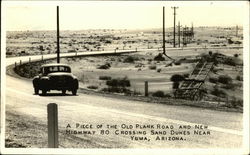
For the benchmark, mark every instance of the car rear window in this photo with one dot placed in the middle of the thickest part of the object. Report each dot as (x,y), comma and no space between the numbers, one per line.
(52,69)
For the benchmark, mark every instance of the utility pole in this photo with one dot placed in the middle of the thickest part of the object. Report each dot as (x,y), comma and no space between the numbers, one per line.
(58,35)
(236,30)
(179,34)
(163,31)
(184,36)
(192,30)
(174,21)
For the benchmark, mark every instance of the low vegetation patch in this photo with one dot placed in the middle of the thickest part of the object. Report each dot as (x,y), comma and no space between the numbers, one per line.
(159,57)
(92,87)
(152,67)
(117,90)
(213,79)
(130,59)
(225,79)
(176,79)
(158,93)
(105,66)
(231,86)
(236,102)
(218,92)
(159,70)
(118,85)
(105,78)
(239,78)
(177,63)
(119,82)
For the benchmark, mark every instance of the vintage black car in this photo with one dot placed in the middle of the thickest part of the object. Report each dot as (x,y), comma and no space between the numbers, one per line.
(55,77)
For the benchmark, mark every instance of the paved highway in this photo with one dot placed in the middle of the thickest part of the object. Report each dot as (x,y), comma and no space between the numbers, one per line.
(224,129)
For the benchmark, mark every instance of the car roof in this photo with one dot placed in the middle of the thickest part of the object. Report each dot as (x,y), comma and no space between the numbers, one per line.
(54,64)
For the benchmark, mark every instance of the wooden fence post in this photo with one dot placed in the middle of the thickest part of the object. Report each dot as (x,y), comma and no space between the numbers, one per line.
(20,62)
(52,125)
(15,65)
(146,88)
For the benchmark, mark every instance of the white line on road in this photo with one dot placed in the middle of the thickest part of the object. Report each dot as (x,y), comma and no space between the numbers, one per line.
(161,119)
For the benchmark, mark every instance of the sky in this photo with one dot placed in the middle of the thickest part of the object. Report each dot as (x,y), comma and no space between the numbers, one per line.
(128,16)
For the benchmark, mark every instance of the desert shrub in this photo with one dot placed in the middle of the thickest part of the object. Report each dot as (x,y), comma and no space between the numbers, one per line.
(107,42)
(177,78)
(210,53)
(229,86)
(225,79)
(117,90)
(158,93)
(210,57)
(105,77)
(216,69)
(159,57)
(236,55)
(218,92)
(152,67)
(159,70)
(236,102)
(124,82)
(230,62)
(186,75)
(213,79)
(41,48)
(177,63)
(118,85)
(176,85)
(92,87)
(239,78)
(230,41)
(168,95)
(130,59)
(169,64)
(105,66)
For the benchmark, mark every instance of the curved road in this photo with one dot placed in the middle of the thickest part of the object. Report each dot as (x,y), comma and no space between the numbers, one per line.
(224,128)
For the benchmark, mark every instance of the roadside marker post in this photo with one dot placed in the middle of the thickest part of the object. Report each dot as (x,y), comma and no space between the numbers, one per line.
(20,62)
(29,59)
(146,88)
(15,65)
(52,125)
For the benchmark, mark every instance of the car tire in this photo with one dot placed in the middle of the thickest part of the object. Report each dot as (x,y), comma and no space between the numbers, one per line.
(36,91)
(44,92)
(74,91)
(63,92)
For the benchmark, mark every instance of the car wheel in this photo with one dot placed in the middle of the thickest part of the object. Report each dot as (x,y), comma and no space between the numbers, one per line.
(36,91)
(74,91)
(44,92)
(63,92)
